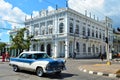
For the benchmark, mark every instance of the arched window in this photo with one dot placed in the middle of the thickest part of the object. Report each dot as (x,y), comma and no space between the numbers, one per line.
(84,47)
(77,47)
(77,29)
(61,28)
(88,31)
(89,49)
(27,32)
(36,32)
(92,33)
(42,47)
(84,31)
(71,28)
(50,30)
(100,35)
(103,36)
(93,48)
(43,31)
(97,50)
(96,34)
(100,48)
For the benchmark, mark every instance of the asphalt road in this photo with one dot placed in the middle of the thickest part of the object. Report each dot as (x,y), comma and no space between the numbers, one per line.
(72,72)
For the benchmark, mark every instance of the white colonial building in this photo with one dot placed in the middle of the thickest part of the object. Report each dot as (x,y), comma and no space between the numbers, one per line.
(64,31)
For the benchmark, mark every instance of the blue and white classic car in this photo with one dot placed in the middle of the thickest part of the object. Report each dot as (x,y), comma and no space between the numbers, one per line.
(38,62)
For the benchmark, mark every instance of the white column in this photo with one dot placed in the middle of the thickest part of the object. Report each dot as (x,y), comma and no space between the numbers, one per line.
(66,48)
(31,46)
(52,52)
(45,47)
(38,46)
(55,49)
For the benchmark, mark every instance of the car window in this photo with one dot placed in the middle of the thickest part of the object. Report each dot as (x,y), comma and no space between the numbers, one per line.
(41,55)
(29,56)
(23,56)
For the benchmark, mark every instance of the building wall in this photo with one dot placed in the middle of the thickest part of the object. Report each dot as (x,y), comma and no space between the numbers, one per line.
(116,42)
(65,31)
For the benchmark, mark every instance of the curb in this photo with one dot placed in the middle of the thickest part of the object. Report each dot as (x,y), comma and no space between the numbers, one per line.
(99,73)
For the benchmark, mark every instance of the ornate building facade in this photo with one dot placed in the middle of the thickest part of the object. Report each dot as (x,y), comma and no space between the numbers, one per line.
(64,31)
(116,42)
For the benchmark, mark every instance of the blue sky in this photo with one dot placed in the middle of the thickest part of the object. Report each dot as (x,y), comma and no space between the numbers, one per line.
(16,10)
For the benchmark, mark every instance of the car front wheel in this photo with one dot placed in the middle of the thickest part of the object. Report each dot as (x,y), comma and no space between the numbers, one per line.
(39,72)
(15,68)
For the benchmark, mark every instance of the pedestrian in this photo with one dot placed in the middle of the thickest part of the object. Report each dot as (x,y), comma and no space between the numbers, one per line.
(3,57)
(101,56)
(7,56)
(74,55)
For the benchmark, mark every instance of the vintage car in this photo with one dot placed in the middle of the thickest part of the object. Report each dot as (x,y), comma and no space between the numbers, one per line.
(38,62)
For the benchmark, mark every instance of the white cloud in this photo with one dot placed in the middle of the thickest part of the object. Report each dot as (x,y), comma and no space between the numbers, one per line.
(50,8)
(100,8)
(35,13)
(12,14)
(93,6)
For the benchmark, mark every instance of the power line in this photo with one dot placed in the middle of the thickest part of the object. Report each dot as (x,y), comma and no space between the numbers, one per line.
(5,28)
(11,21)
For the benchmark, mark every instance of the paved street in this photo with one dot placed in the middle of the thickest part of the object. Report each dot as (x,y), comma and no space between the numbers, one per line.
(72,72)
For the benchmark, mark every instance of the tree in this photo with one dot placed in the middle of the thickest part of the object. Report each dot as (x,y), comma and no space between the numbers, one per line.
(18,42)
(2,45)
(118,29)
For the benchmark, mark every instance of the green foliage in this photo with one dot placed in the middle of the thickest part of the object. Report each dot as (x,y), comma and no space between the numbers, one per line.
(2,45)
(18,42)
(118,29)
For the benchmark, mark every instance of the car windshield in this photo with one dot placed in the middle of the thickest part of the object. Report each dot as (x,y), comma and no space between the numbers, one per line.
(41,55)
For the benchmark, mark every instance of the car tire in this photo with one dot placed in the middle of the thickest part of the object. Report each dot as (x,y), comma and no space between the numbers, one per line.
(39,72)
(15,68)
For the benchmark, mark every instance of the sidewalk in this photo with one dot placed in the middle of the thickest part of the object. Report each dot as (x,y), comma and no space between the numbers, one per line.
(102,69)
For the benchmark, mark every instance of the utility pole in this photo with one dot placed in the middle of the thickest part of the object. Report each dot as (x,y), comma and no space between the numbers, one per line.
(107,43)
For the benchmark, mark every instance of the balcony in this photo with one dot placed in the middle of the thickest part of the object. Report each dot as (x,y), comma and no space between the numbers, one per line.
(50,36)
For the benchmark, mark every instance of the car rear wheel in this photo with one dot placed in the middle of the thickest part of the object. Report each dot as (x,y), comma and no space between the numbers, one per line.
(15,68)
(39,72)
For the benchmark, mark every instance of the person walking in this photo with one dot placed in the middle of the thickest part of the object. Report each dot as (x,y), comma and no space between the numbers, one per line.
(3,57)
(74,55)
(7,56)
(101,56)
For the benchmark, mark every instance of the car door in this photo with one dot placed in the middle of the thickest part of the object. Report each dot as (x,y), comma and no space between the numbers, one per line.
(27,62)
(21,61)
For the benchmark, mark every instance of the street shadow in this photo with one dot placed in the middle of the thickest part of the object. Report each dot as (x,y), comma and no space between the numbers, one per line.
(59,76)
(51,76)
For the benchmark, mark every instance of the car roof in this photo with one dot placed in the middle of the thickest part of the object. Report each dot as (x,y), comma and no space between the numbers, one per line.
(33,52)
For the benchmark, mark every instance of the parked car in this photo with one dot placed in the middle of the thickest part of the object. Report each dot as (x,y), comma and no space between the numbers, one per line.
(38,62)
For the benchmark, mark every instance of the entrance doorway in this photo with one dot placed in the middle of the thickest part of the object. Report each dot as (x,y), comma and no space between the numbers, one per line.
(42,47)
(49,50)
